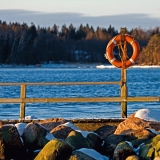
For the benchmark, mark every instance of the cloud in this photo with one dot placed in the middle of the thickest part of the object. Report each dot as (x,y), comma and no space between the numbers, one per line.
(49,19)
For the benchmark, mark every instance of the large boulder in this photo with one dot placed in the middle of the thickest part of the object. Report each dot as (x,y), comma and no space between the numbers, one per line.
(76,140)
(83,139)
(147,152)
(35,136)
(139,142)
(122,151)
(11,145)
(112,141)
(51,123)
(95,142)
(150,149)
(131,123)
(137,127)
(63,130)
(139,134)
(55,149)
(105,131)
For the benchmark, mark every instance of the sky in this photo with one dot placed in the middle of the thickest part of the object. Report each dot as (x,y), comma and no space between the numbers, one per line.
(123,13)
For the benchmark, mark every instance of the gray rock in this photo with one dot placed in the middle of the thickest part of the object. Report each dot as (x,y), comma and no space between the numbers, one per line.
(122,151)
(95,142)
(76,140)
(150,149)
(61,131)
(146,152)
(11,146)
(105,131)
(112,141)
(35,136)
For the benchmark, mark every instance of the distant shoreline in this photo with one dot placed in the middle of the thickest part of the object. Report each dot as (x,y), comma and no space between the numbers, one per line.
(74,65)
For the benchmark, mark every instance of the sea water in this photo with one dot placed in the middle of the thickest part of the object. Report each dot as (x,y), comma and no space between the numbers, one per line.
(140,82)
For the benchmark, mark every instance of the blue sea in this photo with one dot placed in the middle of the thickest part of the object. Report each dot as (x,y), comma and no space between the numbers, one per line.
(140,82)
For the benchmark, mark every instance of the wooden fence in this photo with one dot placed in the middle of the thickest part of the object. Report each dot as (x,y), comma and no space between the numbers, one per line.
(123,99)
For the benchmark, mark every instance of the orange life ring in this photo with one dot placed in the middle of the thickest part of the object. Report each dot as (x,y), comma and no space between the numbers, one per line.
(114,41)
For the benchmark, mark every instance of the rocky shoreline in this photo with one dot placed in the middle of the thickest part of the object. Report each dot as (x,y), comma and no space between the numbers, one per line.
(59,139)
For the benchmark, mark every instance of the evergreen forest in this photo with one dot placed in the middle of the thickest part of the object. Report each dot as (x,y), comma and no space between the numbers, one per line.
(22,44)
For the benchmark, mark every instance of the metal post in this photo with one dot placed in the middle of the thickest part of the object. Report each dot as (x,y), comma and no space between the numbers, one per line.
(22,104)
(124,93)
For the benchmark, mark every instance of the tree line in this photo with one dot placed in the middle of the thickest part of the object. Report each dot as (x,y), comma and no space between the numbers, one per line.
(30,45)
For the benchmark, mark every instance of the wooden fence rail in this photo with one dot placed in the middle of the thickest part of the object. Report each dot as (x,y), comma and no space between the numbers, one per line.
(55,83)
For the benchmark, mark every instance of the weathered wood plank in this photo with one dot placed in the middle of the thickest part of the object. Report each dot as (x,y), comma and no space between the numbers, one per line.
(56,83)
(89,99)
(22,104)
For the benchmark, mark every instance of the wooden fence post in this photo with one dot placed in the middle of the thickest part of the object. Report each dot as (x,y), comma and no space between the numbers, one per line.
(124,93)
(22,104)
